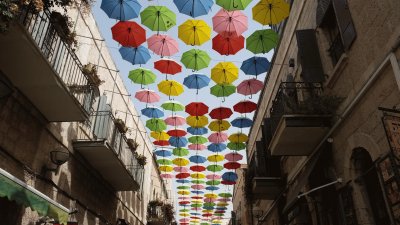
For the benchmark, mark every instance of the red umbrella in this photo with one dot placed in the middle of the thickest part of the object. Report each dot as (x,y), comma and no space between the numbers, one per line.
(197,168)
(168,66)
(232,165)
(207,214)
(196,109)
(245,106)
(128,33)
(250,87)
(229,45)
(227,182)
(184,202)
(197,197)
(177,132)
(221,113)
(161,143)
(182,175)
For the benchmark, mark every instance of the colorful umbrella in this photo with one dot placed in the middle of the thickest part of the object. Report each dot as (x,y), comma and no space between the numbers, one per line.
(198,181)
(128,34)
(173,106)
(238,137)
(182,175)
(195,59)
(197,175)
(224,73)
(194,32)
(219,125)
(183,181)
(229,176)
(212,188)
(163,153)
(166,168)
(168,66)
(180,161)
(213,176)
(228,45)
(147,96)
(178,141)
(166,176)
(196,109)
(197,130)
(197,168)
(156,124)
(215,168)
(177,132)
(194,8)
(250,87)
(183,192)
(175,120)
(180,151)
(197,147)
(221,113)
(218,137)
(233,4)
(152,112)
(135,55)
(232,165)
(158,18)
(242,122)
(121,10)
(163,45)
(215,158)
(216,147)
(229,23)
(197,121)
(197,139)
(160,143)
(262,41)
(196,81)
(223,90)
(233,157)
(270,12)
(170,88)
(142,76)
(236,146)
(255,65)
(181,169)
(245,106)
(164,161)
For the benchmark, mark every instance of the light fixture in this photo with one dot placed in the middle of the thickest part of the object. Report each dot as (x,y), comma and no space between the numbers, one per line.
(58,158)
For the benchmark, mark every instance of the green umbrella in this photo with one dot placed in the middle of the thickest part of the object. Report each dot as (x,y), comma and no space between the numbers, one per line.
(183,187)
(164,161)
(197,139)
(180,152)
(213,182)
(173,106)
(225,195)
(184,210)
(142,76)
(215,168)
(236,146)
(198,181)
(156,124)
(262,41)
(196,205)
(218,214)
(232,5)
(158,18)
(195,59)
(222,90)
(209,204)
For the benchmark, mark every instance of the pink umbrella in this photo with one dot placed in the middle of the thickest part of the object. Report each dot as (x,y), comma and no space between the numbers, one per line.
(210,200)
(218,137)
(198,186)
(184,220)
(175,120)
(166,175)
(181,169)
(233,157)
(213,176)
(230,23)
(196,208)
(163,45)
(147,96)
(224,199)
(183,198)
(197,147)
(250,87)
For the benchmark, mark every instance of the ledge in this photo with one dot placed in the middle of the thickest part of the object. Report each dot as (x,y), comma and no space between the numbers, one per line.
(337,70)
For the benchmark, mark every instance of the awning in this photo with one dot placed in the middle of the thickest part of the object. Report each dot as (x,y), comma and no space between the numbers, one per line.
(16,190)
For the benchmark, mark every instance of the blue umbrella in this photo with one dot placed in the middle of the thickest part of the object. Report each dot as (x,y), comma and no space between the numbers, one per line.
(197,159)
(212,188)
(242,122)
(139,55)
(221,208)
(255,65)
(229,176)
(208,207)
(196,81)
(178,141)
(152,112)
(197,131)
(194,8)
(163,153)
(183,181)
(216,147)
(198,192)
(121,9)
(195,214)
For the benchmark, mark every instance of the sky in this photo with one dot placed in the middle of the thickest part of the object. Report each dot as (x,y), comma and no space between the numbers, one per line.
(105,24)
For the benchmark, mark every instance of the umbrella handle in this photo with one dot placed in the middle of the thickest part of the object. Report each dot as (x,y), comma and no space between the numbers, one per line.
(223,99)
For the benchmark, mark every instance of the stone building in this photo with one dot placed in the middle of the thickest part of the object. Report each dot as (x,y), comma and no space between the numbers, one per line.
(324,145)
(71,142)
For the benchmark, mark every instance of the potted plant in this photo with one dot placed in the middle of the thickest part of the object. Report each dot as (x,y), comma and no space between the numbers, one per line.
(132,144)
(120,124)
(142,160)
(62,25)
(78,89)
(90,71)
(168,210)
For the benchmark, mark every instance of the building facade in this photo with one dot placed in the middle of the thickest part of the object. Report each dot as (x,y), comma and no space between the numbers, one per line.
(72,147)
(324,145)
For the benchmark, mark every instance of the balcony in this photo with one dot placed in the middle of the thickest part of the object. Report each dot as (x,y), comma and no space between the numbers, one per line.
(300,118)
(155,215)
(37,60)
(109,153)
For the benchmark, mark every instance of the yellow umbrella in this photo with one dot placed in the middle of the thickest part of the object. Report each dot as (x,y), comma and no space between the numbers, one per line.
(184,214)
(195,221)
(184,192)
(211,195)
(197,201)
(215,158)
(159,135)
(216,221)
(219,125)
(198,175)
(268,12)
(180,161)
(238,137)
(222,204)
(166,168)
(224,73)
(194,32)
(207,211)
(170,87)
(197,121)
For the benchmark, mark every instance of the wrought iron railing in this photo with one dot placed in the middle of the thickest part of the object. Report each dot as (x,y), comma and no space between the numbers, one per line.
(60,56)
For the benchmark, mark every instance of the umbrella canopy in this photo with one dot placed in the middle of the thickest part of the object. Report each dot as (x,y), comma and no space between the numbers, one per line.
(250,87)
(152,112)
(196,81)
(218,137)
(180,152)
(216,147)
(236,146)
(221,113)
(182,175)
(215,168)
(196,109)
(245,106)
(198,181)
(229,23)
(225,195)
(270,12)
(233,157)
(255,65)
(198,187)
(128,33)
(180,161)
(142,76)
(121,10)
(166,176)
(197,121)
(197,168)
(232,165)
(183,181)
(242,122)
(177,132)
(262,41)
(163,153)
(195,59)
(173,106)
(156,124)
(231,5)
(238,137)
(161,143)
(194,8)
(219,125)
(166,168)
(229,176)
(135,55)
(158,18)
(194,32)
(181,169)
(197,147)
(163,45)
(197,139)
(197,175)
(178,141)
(170,87)
(175,120)
(197,130)
(215,158)
(164,161)
(224,73)
(227,45)
(222,90)
(168,66)
(211,195)
(183,192)
(147,96)
(213,176)
(197,159)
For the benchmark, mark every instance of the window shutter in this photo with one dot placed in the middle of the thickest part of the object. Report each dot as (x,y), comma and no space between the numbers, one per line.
(322,7)
(345,23)
(102,119)
(266,131)
(261,151)
(309,56)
